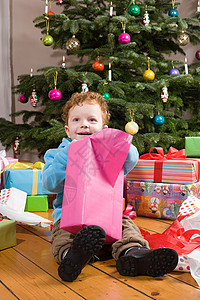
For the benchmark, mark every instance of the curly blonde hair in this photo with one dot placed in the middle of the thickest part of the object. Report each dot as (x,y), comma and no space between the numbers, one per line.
(91,98)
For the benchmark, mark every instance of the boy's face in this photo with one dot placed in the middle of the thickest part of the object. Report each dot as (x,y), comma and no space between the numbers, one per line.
(84,120)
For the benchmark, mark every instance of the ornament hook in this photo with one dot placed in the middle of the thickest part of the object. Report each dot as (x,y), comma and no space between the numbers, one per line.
(55,79)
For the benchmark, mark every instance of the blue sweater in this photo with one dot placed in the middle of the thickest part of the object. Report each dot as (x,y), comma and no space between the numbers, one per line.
(53,175)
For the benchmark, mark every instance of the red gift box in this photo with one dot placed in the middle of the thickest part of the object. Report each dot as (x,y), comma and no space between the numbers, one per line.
(173,167)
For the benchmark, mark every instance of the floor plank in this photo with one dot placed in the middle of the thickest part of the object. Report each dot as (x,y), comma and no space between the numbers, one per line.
(6,292)
(31,281)
(28,271)
(105,285)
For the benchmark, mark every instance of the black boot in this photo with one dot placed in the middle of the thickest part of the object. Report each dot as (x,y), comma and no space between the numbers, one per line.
(143,261)
(85,245)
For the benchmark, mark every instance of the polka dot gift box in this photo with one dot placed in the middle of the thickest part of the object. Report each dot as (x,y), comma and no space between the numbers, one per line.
(190,206)
(183,264)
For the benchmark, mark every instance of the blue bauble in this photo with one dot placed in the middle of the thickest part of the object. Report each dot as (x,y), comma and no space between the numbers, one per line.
(173,12)
(174,71)
(158,120)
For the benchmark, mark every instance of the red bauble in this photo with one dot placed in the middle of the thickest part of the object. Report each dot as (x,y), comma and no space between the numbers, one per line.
(55,95)
(197,54)
(50,12)
(98,66)
(23,99)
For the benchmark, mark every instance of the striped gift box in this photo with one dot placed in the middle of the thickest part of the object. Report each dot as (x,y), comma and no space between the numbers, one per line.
(184,171)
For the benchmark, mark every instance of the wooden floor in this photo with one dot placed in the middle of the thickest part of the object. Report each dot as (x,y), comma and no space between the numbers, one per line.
(28,271)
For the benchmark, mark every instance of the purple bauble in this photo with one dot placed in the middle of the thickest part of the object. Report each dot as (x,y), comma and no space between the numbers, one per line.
(55,95)
(198,54)
(174,71)
(23,99)
(124,38)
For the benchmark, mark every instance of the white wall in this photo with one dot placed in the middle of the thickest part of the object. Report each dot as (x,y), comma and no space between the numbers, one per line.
(29,52)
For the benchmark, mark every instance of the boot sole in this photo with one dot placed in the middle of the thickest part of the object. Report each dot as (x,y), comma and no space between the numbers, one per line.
(85,245)
(155,263)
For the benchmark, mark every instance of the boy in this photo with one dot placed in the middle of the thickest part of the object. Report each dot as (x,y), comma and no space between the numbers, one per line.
(85,114)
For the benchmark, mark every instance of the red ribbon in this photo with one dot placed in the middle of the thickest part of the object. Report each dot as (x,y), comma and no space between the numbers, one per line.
(174,237)
(172,154)
(129,212)
(159,157)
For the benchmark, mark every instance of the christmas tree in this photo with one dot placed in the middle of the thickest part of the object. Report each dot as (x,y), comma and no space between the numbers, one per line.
(125,50)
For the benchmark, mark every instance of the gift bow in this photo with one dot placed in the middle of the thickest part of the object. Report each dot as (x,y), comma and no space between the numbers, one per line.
(172,154)
(175,237)
(160,157)
(20,165)
(129,212)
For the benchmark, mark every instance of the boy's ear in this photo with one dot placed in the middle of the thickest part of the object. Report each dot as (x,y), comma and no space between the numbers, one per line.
(67,131)
(105,126)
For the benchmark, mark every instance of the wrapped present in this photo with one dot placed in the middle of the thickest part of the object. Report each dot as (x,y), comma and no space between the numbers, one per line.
(4,161)
(192,146)
(93,191)
(182,238)
(25,177)
(13,199)
(37,203)
(159,200)
(189,206)
(7,233)
(173,167)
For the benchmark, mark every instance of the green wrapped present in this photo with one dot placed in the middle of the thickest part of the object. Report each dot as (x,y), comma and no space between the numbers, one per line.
(192,146)
(7,233)
(37,203)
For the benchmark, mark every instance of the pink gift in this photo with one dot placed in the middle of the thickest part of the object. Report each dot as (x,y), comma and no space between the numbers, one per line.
(4,161)
(93,191)
(173,167)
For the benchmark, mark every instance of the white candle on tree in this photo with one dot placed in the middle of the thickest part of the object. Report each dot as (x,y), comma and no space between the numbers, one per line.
(63,62)
(198,7)
(111,9)
(110,73)
(186,66)
(46,8)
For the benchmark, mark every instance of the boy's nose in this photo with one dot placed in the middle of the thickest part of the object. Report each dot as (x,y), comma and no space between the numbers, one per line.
(84,124)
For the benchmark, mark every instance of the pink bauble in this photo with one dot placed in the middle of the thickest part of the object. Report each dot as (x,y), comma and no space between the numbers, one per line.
(198,54)
(55,95)
(124,38)
(23,99)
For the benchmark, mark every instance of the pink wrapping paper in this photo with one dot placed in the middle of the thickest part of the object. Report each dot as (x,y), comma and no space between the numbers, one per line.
(4,161)
(93,191)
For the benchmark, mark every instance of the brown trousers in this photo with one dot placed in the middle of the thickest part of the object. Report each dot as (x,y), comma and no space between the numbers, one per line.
(131,237)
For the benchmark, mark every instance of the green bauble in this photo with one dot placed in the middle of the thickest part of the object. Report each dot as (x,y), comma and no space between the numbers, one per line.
(47,40)
(134,10)
(106,96)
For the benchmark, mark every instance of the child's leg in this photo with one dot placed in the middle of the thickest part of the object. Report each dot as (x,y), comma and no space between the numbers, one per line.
(133,256)
(131,237)
(85,245)
(61,240)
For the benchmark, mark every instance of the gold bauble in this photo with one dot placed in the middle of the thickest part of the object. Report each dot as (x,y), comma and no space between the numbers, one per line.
(148,75)
(131,127)
(183,39)
(73,44)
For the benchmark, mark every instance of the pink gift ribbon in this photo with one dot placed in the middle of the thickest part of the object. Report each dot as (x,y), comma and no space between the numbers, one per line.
(3,157)
(130,212)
